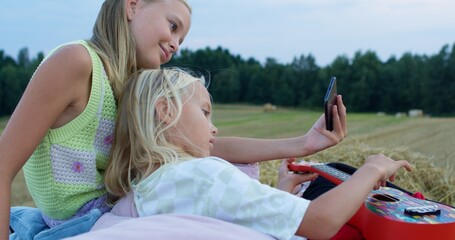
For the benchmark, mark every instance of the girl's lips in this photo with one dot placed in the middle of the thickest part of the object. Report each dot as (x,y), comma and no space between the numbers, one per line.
(166,54)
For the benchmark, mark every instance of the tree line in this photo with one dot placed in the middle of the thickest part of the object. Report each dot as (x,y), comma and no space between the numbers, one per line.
(14,77)
(366,83)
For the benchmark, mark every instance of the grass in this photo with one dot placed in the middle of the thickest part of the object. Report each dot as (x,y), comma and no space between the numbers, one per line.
(425,142)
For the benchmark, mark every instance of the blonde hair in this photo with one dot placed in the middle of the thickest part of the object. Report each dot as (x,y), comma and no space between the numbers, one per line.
(140,145)
(114,43)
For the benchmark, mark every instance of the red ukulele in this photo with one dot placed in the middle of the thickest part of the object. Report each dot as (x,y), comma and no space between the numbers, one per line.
(392,214)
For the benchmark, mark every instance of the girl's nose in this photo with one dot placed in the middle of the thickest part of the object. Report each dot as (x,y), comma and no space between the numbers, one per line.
(214,130)
(174,46)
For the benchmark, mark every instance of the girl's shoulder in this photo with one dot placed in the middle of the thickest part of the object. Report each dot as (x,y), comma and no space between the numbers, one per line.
(74,55)
(210,165)
(209,161)
(67,71)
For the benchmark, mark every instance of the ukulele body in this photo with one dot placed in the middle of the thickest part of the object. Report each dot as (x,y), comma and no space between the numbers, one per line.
(380,218)
(384,213)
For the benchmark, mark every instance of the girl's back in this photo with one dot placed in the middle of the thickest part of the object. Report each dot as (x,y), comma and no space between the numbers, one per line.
(65,171)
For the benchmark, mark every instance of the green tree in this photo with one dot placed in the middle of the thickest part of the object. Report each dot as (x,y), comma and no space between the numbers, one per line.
(225,86)
(437,87)
(366,88)
(247,71)
(283,93)
(306,82)
(10,84)
(23,59)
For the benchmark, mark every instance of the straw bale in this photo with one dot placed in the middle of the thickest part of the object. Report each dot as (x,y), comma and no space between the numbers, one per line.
(434,182)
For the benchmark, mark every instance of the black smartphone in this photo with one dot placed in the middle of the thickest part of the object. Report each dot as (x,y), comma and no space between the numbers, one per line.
(330,100)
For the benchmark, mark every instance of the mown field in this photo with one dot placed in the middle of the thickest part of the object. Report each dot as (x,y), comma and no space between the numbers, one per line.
(426,142)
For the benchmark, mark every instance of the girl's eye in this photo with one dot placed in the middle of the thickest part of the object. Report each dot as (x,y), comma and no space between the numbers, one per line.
(173,26)
(206,113)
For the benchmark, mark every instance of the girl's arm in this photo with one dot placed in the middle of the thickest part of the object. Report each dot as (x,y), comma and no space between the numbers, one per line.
(57,92)
(329,212)
(249,150)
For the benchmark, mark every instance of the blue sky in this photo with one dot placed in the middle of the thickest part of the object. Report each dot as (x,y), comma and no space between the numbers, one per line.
(282,29)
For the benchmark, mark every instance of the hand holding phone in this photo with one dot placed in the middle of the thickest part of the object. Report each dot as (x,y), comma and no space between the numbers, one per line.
(330,100)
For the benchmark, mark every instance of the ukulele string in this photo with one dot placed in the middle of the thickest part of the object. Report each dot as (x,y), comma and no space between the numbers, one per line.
(344,176)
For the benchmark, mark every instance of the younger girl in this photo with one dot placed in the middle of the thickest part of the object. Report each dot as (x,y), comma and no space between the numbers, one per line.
(161,150)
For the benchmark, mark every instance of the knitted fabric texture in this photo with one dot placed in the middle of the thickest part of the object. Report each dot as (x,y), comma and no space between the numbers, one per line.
(66,169)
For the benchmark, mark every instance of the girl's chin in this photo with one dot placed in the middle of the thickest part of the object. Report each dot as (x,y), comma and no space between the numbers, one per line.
(201,154)
(154,66)
(150,65)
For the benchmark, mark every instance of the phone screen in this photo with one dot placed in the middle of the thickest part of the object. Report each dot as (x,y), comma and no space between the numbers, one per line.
(329,101)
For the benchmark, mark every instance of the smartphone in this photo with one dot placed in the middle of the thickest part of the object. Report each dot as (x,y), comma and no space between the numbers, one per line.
(330,100)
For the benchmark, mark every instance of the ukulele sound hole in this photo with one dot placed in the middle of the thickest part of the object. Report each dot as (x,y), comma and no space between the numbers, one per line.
(385,198)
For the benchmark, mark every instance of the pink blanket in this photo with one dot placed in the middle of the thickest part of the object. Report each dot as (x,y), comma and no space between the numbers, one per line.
(123,223)
(171,226)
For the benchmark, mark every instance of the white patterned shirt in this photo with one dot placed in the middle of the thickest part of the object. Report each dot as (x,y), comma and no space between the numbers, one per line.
(215,188)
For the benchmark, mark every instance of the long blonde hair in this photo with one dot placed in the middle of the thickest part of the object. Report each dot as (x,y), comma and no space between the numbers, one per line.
(114,43)
(140,145)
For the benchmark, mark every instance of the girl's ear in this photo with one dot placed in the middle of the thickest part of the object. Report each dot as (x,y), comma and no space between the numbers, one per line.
(165,114)
(130,6)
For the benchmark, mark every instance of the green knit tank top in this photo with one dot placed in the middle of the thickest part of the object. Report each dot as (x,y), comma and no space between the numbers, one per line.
(66,170)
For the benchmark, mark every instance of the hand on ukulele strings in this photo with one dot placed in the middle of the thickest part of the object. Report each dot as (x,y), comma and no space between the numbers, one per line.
(387,168)
(318,138)
(290,182)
